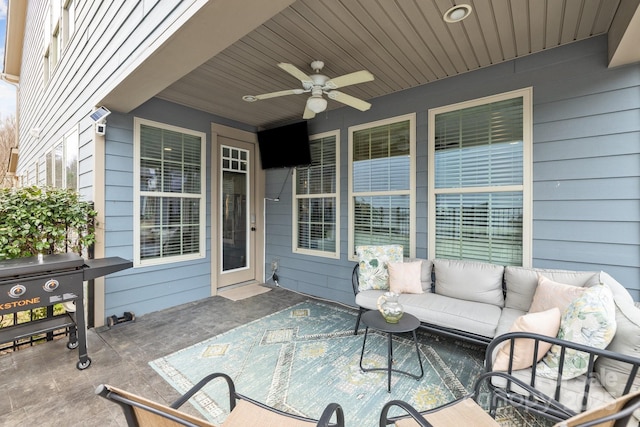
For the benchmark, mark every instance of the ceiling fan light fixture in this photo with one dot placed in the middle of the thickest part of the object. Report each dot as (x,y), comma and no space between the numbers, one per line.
(316,103)
(457,13)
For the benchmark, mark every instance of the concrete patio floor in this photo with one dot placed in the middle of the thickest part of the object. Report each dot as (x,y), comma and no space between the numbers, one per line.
(41,385)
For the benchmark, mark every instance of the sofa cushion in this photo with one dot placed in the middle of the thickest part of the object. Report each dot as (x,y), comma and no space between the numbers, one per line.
(469,280)
(551,294)
(590,320)
(521,283)
(372,265)
(404,277)
(544,323)
(467,316)
(613,374)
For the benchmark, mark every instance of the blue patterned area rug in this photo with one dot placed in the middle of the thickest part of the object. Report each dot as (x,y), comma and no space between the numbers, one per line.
(304,357)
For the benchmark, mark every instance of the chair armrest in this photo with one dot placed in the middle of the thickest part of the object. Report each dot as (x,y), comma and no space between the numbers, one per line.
(384,419)
(534,398)
(592,352)
(196,388)
(325,418)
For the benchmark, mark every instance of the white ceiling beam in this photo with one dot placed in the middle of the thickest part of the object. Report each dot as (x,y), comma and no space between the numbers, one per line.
(624,34)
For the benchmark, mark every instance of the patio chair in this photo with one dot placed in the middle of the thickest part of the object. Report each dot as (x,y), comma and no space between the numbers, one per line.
(467,411)
(141,412)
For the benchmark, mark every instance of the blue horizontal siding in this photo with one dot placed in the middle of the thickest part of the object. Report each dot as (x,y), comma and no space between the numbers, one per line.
(586,165)
(596,146)
(588,188)
(624,233)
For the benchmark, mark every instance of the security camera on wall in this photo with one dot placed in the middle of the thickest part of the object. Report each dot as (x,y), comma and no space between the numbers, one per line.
(99,117)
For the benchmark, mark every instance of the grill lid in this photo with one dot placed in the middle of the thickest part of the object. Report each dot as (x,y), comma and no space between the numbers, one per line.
(31,266)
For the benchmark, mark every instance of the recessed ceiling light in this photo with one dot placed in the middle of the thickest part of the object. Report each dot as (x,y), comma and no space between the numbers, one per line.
(457,13)
(250,98)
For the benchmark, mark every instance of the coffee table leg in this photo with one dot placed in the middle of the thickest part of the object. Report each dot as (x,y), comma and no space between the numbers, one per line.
(415,340)
(389,360)
(364,342)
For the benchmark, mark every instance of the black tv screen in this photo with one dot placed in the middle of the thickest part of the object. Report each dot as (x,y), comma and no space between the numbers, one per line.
(285,146)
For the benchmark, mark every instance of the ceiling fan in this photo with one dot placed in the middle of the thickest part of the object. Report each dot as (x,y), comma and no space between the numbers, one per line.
(318,85)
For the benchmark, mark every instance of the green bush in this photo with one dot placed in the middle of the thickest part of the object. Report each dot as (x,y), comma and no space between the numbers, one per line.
(37,220)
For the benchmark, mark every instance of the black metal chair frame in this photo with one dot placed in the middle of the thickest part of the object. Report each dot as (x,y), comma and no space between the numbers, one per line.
(508,395)
(128,404)
(535,397)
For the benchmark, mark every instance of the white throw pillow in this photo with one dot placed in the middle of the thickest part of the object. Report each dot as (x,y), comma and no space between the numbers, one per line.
(404,277)
(553,294)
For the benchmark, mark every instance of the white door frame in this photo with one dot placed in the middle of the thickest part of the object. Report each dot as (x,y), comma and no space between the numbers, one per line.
(218,130)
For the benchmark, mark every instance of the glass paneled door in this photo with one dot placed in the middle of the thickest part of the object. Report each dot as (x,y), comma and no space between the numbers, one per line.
(236,213)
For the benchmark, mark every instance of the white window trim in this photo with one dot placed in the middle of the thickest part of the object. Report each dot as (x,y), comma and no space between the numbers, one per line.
(351,256)
(294,240)
(526,188)
(137,262)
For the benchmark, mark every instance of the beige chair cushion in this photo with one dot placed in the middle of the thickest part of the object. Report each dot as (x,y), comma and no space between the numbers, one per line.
(247,414)
(464,413)
(146,418)
(599,412)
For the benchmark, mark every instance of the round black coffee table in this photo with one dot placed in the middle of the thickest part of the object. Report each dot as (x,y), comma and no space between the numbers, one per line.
(407,323)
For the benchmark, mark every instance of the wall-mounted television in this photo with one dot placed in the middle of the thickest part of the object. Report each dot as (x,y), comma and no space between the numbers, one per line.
(285,146)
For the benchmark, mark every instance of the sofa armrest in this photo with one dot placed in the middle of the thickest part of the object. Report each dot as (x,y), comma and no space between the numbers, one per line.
(632,362)
(355,279)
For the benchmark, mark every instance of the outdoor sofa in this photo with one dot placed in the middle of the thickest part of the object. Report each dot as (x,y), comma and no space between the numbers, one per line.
(583,352)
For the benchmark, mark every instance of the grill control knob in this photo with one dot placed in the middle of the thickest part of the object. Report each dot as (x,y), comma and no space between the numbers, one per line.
(17,291)
(51,285)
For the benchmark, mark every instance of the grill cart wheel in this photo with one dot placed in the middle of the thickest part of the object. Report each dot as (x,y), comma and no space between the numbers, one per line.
(84,365)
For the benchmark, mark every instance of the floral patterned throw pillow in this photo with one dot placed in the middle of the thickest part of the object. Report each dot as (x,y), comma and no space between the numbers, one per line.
(372,265)
(590,319)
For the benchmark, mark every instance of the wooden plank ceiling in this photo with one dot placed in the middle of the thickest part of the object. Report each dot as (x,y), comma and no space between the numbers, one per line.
(404,43)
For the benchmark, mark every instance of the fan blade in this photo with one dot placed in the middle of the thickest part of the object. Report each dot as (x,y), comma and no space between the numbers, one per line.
(308,114)
(349,100)
(280,93)
(296,72)
(349,79)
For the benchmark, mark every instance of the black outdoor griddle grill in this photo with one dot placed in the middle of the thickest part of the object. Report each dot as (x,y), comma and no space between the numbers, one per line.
(28,283)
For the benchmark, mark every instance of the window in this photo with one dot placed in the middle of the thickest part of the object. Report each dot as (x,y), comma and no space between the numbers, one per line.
(479,183)
(59,26)
(169,203)
(315,207)
(68,21)
(61,164)
(382,184)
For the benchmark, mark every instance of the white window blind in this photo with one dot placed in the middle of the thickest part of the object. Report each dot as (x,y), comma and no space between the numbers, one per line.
(316,195)
(170,193)
(381,185)
(479,182)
